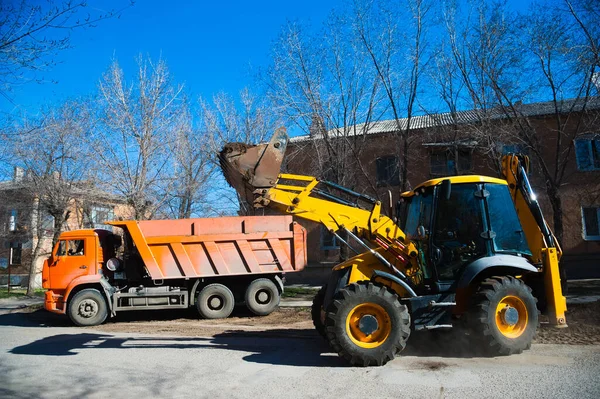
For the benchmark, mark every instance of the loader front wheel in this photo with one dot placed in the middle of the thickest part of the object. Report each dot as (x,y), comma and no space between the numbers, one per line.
(366,324)
(504,317)
(318,313)
(215,301)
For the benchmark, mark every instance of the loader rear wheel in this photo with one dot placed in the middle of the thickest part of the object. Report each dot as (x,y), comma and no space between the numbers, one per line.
(367,325)
(215,301)
(87,308)
(504,318)
(317,312)
(262,296)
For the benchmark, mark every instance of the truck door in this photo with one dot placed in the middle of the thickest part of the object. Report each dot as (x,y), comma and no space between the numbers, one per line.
(71,258)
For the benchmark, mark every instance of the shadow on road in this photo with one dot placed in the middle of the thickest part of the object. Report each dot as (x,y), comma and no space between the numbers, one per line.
(281,347)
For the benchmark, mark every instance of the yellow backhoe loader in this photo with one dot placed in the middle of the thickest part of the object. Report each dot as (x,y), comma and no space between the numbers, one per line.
(469,250)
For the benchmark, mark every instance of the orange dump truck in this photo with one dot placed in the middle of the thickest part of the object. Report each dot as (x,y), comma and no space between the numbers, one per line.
(210,263)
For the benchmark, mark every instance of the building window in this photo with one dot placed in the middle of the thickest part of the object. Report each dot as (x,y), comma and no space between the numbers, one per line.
(591,223)
(99,214)
(328,240)
(12,220)
(16,249)
(447,163)
(387,171)
(587,153)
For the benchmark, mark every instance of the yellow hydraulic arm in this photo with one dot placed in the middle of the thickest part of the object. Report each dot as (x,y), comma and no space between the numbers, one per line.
(298,195)
(542,243)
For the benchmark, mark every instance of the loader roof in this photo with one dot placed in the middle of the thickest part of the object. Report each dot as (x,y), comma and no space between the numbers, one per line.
(455,180)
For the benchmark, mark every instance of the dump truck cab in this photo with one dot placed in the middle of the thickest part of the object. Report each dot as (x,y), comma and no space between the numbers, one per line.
(76,262)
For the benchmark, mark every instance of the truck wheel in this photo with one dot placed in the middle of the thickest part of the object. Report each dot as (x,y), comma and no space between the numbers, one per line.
(87,308)
(262,296)
(317,312)
(367,325)
(215,301)
(504,317)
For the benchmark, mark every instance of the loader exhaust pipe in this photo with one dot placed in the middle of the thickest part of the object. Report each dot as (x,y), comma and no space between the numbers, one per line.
(248,167)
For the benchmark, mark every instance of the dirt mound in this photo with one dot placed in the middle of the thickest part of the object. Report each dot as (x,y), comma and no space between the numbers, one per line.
(188,324)
(584,327)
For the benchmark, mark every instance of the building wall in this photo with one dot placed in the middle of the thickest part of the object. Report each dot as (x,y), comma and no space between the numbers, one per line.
(23,233)
(580,188)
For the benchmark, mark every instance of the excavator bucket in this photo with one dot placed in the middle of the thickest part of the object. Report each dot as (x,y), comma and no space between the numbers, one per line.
(249,167)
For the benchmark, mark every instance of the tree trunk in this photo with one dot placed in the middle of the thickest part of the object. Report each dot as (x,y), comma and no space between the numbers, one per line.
(32,268)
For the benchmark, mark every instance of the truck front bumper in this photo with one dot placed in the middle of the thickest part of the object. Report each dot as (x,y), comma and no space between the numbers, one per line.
(54,302)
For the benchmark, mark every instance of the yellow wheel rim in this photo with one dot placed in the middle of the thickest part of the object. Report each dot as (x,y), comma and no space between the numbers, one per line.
(511,316)
(368,325)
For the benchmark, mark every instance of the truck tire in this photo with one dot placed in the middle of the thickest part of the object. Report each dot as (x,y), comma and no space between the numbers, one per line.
(316,312)
(366,324)
(215,301)
(504,316)
(262,296)
(87,308)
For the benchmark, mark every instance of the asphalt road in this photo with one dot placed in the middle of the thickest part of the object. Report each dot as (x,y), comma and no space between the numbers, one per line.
(66,362)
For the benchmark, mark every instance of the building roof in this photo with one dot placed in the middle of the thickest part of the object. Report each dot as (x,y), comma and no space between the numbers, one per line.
(460,117)
(78,190)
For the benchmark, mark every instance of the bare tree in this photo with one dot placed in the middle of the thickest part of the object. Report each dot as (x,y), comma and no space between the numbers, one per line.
(138,122)
(32,33)
(52,153)
(394,35)
(222,121)
(193,169)
(325,87)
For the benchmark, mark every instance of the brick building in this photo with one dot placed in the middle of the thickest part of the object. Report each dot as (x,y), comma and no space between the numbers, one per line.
(465,143)
(20,212)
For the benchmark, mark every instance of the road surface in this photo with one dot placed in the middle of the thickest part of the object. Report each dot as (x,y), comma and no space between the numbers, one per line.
(37,360)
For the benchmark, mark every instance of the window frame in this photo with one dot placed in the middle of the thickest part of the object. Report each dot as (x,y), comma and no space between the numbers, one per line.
(12,246)
(592,162)
(447,154)
(391,179)
(584,234)
(335,244)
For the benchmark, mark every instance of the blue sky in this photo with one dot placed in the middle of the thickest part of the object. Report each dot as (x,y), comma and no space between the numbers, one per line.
(210,46)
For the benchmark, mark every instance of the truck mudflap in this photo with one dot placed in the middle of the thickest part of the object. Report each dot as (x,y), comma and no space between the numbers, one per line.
(337,280)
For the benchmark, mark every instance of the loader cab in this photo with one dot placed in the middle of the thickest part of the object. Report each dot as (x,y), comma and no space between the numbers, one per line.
(455,221)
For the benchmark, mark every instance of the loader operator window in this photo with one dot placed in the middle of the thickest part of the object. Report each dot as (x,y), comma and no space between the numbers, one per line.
(457,230)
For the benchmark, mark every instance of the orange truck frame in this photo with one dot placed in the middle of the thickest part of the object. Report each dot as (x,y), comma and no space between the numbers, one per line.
(212,263)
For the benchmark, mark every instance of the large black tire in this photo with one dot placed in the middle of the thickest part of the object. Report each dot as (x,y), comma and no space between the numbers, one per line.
(87,308)
(366,324)
(317,312)
(215,301)
(262,296)
(504,316)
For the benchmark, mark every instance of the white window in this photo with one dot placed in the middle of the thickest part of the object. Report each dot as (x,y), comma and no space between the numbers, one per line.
(591,223)
(100,214)
(12,220)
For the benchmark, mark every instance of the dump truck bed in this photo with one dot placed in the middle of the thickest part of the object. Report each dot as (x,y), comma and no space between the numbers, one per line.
(225,246)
